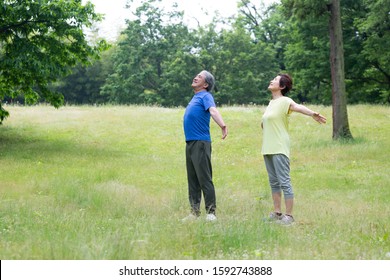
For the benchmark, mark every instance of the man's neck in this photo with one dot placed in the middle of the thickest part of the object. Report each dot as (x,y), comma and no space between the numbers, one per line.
(199,90)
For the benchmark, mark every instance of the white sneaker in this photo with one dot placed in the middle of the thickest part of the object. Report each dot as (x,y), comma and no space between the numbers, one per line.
(189,218)
(211,218)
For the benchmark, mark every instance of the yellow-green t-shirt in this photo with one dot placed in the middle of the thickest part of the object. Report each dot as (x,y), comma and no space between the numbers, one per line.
(275,127)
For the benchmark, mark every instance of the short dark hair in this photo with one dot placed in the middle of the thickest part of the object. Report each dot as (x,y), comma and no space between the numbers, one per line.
(285,82)
(209,78)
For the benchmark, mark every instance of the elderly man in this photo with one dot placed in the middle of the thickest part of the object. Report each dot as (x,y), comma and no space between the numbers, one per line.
(198,148)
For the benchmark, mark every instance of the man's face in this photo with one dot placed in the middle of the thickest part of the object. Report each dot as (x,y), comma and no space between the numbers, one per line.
(199,82)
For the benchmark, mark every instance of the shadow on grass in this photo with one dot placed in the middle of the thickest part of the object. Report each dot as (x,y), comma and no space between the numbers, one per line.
(350,141)
(328,143)
(19,143)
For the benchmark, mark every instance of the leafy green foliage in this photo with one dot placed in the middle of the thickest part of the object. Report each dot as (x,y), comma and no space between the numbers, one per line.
(157,55)
(83,85)
(374,33)
(143,61)
(307,57)
(366,41)
(39,42)
(157,59)
(244,68)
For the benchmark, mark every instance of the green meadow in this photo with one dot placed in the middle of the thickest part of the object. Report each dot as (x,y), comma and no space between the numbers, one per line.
(109,183)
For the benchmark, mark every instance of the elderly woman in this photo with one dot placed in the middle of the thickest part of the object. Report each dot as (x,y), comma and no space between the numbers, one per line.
(276,145)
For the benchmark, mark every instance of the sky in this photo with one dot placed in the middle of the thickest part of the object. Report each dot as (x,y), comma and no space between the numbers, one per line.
(195,11)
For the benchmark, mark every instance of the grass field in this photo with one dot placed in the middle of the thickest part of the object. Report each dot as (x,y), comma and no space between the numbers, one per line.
(110,183)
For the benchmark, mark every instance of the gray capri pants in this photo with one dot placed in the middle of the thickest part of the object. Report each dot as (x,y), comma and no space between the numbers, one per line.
(278,168)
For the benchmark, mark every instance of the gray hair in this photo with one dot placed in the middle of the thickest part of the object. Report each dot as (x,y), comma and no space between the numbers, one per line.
(210,80)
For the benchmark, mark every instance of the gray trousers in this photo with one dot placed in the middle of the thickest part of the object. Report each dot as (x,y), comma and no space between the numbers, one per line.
(278,168)
(199,176)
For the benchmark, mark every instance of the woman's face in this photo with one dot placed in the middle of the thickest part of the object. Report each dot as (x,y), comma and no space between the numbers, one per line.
(274,84)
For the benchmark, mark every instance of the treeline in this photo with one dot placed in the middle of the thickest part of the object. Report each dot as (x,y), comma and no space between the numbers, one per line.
(157,55)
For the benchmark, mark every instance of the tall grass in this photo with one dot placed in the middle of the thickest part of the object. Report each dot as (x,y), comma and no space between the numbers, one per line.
(110,183)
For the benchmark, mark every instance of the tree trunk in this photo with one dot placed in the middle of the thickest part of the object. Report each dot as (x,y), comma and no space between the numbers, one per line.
(339,98)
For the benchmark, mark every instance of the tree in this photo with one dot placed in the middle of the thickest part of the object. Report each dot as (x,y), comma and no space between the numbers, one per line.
(264,46)
(265,24)
(243,67)
(153,59)
(373,31)
(83,85)
(306,9)
(339,98)
(40,40)
(307,58)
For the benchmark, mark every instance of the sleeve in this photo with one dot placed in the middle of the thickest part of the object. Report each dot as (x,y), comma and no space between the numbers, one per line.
(208,101)
(287,104)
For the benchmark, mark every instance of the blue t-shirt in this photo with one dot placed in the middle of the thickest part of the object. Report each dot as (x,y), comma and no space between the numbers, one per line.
(197,117)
